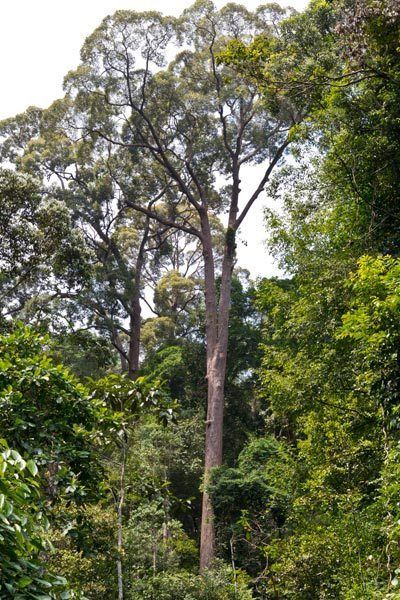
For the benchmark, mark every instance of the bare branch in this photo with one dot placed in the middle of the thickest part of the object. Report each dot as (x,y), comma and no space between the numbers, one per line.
(163,220)
(262,183)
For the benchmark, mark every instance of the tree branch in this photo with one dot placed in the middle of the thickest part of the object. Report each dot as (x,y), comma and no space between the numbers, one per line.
(262,183)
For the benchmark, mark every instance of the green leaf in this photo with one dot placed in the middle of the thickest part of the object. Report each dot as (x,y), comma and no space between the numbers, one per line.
(32,468)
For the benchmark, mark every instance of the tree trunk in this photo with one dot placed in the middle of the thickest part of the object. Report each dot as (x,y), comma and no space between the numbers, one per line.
(217,321)
(134,338)
(213,452)
(135,324)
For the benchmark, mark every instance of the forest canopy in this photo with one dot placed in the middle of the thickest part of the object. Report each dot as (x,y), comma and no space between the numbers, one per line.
(171,428)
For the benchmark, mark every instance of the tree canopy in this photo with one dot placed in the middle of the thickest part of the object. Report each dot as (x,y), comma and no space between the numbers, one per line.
(171,428)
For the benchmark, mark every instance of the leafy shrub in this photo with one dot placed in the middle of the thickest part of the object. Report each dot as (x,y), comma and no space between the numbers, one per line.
(216,584)
(23,534)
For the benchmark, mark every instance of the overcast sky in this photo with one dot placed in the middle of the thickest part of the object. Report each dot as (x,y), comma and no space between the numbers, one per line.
(40,42)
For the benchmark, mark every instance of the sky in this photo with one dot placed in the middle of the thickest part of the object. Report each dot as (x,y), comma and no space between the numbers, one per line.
(40,42)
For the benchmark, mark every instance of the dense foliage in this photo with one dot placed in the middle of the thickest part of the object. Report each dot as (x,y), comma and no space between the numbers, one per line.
(103,409)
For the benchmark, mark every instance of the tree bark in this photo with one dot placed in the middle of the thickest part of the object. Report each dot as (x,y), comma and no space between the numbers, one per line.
(213,453)
(134,337)
(135,324)
(217,320)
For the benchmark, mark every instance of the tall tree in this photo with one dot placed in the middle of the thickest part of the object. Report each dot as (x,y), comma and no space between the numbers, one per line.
(126,251)
(192,128)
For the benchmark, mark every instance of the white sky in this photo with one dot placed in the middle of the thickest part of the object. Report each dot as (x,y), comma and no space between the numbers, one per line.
(40,42)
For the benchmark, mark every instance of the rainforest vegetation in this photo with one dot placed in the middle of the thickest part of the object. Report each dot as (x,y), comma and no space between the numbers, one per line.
(169,427)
